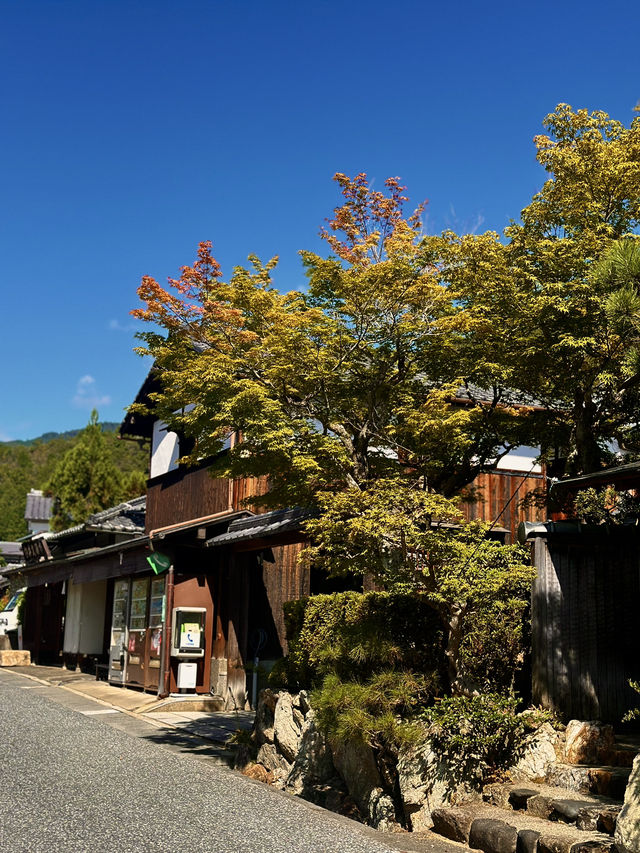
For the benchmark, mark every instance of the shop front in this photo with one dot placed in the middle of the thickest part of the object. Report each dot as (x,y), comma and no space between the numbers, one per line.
(137,620)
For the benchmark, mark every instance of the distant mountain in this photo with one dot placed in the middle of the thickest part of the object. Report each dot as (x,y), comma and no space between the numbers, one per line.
(29,464)
(107,426)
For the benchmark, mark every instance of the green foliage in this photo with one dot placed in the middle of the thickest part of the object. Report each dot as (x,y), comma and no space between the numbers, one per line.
(484,731)
(87,480)
(353,635)
(30,465)
(605,506)
(421,540)
(22,601)
(330,384)
(634,713)
(376,712)
(551,309)
(494,648)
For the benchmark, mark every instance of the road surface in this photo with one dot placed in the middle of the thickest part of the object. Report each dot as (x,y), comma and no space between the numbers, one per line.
(78,776)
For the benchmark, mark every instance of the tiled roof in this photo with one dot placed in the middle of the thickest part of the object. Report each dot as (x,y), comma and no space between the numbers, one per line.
(39,507)
(127,517)
(11,551)
(260,526)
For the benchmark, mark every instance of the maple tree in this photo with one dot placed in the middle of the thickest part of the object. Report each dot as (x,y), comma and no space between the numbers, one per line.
(331,385)
(345,396)
(550,309)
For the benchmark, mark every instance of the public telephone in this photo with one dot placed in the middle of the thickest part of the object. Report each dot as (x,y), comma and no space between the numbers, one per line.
(187,632)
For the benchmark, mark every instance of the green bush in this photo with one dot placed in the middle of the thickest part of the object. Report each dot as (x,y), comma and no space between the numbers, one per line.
(377,712)
(480,731)
(494,650)
(354,635)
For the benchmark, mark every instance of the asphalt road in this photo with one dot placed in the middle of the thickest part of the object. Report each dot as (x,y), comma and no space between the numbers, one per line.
(76,776)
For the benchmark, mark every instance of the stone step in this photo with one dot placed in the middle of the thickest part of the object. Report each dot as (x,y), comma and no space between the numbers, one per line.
(590,779)
(618,756)
(562,805)
(495,830)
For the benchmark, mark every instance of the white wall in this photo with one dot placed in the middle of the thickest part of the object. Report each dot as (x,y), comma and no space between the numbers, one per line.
(165,450)
(38,526)
(521,459)
(84,618)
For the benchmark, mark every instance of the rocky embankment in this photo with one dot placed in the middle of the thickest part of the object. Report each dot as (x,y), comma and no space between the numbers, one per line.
(564,795)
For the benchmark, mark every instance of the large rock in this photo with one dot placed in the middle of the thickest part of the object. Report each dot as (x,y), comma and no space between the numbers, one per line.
(588,742)
(15,658)
(428,781)
(454,824)
(263,723)
(313,763)
(356,764)
(273,761)
(493,836)
(627,834)
(287,726)
(537,755)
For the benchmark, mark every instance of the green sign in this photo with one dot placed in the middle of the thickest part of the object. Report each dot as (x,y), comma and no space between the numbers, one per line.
(159,562)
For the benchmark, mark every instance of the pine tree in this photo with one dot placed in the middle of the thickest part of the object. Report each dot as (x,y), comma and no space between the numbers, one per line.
(85,480)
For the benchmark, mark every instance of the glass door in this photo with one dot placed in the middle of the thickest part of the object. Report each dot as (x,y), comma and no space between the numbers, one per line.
(137,632)
(154,633)
(117,646)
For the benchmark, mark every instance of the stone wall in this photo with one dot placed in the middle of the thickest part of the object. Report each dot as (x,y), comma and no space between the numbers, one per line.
(290,753)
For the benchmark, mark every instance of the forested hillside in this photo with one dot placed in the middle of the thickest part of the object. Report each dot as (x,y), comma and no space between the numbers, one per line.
(30,464)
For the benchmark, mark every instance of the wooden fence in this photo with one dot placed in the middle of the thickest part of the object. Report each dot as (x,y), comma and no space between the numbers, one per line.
(585,623)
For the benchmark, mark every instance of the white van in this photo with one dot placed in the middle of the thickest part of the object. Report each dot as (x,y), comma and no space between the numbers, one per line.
(9,615)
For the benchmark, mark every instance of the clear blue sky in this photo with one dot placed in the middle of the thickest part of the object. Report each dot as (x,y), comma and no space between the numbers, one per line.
(133,129)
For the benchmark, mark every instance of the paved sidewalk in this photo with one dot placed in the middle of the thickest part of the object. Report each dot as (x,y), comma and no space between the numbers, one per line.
(216,726)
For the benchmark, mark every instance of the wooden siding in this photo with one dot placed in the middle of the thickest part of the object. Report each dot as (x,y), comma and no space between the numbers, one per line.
(585,642)
(191,493)
(492,492)
(43,620)
(251,587)
(284,580)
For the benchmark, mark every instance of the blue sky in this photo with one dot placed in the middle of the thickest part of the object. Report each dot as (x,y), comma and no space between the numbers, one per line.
(133,129)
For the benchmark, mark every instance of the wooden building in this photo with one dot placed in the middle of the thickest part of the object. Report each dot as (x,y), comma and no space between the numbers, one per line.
(69,577)
(585,605)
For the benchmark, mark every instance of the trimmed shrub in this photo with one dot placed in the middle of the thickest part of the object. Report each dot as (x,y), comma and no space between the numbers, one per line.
(377,712)
(484,732)
(354,635)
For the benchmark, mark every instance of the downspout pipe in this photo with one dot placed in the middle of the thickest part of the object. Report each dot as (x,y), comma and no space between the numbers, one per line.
(163,687)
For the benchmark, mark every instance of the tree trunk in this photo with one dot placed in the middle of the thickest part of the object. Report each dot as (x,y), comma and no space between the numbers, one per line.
(455,618)
(588,455)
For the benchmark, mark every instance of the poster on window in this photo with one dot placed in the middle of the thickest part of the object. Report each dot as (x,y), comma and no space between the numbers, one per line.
(156,638)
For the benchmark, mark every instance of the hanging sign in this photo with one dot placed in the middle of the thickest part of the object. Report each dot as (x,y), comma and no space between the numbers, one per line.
(159,562)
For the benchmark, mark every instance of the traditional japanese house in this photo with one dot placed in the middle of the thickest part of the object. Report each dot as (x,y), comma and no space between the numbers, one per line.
(70,578)
(231,568)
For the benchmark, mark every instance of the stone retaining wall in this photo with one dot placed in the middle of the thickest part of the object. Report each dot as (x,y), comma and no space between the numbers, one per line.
(288,751)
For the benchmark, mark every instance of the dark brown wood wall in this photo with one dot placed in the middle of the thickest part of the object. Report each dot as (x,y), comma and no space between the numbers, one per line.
(250,591)
(585,637)
(188,494)
(43,626)
(492,492)
(286,579)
